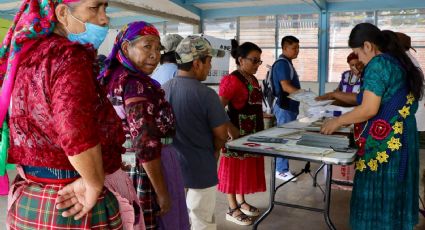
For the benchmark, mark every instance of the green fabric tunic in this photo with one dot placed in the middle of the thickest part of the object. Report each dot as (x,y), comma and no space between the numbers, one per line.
(381,201)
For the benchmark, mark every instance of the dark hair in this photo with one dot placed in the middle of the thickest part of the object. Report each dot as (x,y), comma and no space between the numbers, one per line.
(352,56)
(188,66)
(242,50)
(169,57)
(289,40)
(387,42)
(101,58)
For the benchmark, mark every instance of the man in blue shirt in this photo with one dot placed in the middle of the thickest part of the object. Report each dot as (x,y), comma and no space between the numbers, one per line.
(168,68)
(285,82)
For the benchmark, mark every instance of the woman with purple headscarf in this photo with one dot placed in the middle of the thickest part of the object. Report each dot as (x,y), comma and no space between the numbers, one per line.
(149,123)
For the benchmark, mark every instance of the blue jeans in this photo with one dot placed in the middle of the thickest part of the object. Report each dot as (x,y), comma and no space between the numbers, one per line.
(282,117)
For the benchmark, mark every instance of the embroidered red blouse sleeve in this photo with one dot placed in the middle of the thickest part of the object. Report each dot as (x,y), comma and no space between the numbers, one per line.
(141,117)
(233,90)
(73,101)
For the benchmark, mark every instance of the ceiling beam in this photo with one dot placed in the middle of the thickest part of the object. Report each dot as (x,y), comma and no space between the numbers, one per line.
(188,7)
(119,22)
(321,4)
(191,2)
(371,5)
(152,12)
(259,11)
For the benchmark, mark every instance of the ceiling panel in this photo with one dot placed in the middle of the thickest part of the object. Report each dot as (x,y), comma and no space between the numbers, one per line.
(234,4)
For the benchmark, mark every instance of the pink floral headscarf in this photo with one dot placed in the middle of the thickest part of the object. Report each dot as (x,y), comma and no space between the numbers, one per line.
(34,20)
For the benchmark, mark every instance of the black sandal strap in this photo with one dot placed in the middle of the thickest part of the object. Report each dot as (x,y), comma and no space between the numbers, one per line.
(231,211)
(243,217)
(251,208)
(243,202)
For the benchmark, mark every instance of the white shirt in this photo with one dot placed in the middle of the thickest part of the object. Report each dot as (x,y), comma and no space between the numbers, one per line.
(165,72)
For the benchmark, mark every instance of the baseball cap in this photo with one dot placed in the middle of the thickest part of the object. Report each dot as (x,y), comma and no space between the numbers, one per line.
(170,42)
(193,47)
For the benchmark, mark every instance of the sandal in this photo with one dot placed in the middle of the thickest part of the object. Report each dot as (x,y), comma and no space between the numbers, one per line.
(253,211)
(241,219)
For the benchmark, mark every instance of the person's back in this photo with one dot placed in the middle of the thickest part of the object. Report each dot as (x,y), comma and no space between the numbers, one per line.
(165,72)
(201,127)
(168,68)
(193,104)
(405,41)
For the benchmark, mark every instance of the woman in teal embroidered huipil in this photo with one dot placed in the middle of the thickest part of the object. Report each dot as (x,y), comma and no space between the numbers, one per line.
(386,189)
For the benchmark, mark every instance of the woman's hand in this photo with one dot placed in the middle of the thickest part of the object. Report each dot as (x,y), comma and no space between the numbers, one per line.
(326,96)
(233,132)
(79,197)
(126,167)
(164,203)
(155,173)
(330,126)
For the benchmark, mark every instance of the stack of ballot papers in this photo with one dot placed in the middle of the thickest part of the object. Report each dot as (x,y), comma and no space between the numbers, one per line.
(306,150)
(317,109)
(277,136)
(308,98)
(335,141)
(327,111)
(317,125)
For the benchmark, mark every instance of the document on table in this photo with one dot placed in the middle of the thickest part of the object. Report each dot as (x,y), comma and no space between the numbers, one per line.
(280,132)
(308,98)
(305,150)
(317,125)
(297,124)
(277,136)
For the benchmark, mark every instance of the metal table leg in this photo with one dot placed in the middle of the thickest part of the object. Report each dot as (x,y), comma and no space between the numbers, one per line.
(272,194)
(328,198)
(316,173)
(273,190)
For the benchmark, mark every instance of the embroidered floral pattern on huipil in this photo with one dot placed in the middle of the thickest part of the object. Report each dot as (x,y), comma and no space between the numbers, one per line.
(146,120)
(384,137)
(246,114)
(59,109)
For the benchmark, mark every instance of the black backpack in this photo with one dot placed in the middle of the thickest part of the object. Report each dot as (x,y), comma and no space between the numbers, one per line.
(269,94)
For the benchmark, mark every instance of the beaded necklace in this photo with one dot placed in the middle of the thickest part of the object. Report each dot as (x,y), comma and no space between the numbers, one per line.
(350,77)
(248,78)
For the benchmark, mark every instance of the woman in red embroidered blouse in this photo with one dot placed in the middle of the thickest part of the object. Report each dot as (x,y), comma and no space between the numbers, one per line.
(242,173)
(64,134)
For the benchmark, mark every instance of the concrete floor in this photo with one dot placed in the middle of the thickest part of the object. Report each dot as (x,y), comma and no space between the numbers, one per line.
(301,192)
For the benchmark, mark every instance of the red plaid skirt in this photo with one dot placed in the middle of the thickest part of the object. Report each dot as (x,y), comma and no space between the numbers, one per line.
(146,194)
(35,208)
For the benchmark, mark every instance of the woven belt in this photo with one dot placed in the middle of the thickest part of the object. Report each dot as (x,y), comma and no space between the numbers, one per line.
(167,141)
(50,173)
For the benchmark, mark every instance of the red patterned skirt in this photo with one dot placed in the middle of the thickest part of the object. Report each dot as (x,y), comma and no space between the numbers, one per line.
(241,175)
